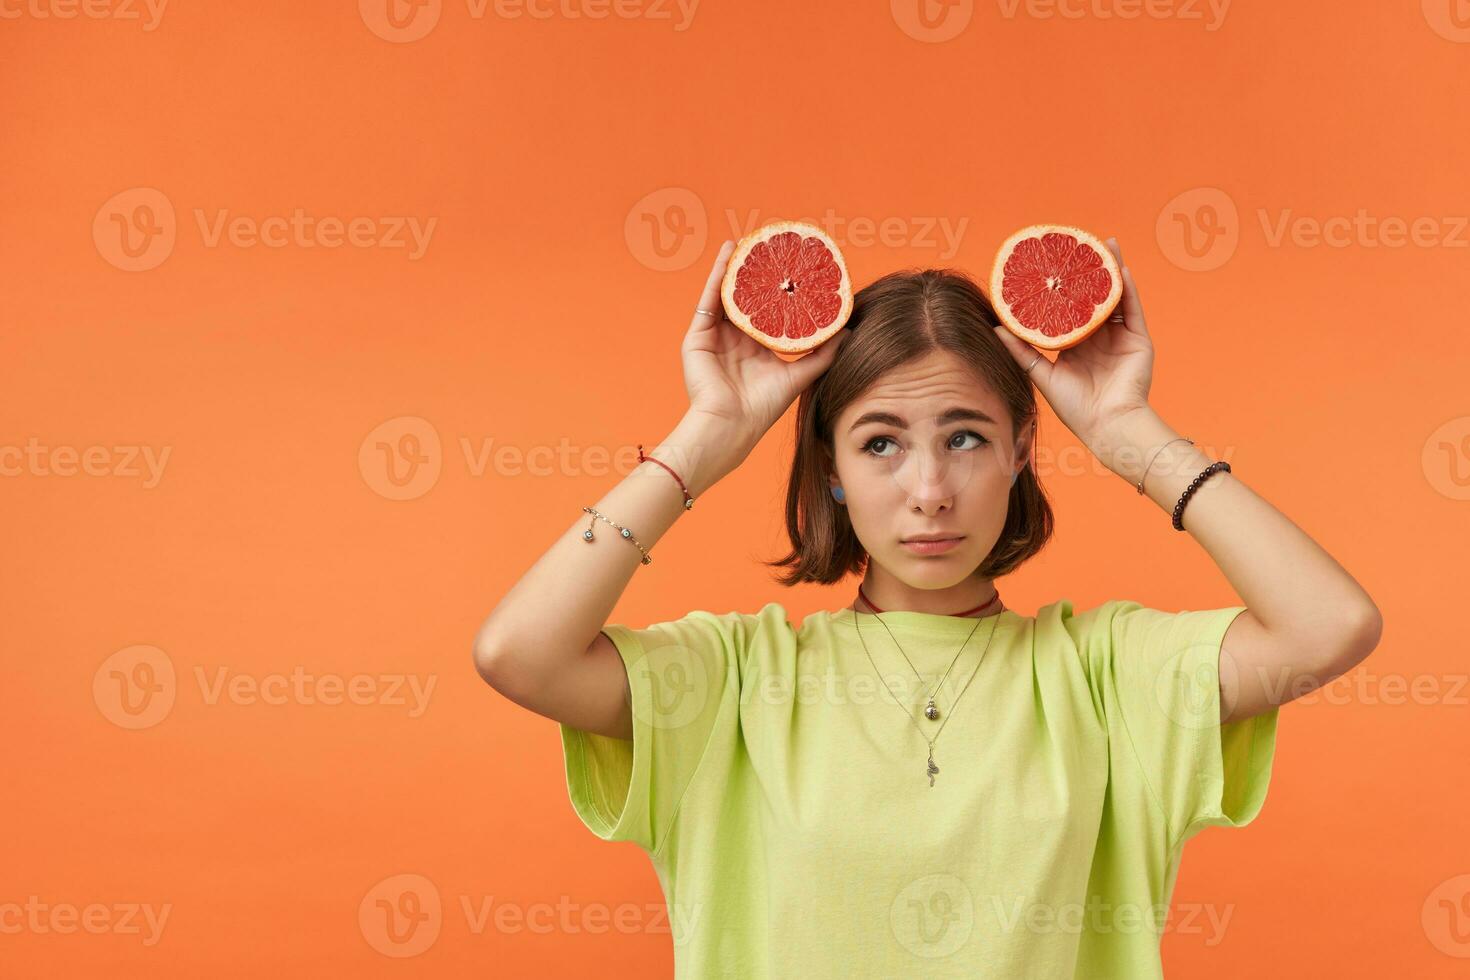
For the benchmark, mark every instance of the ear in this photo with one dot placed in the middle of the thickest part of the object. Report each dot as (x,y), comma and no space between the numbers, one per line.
(832,478)
(1024,445)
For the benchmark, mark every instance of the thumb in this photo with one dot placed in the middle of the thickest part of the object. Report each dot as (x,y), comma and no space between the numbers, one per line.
(809,366)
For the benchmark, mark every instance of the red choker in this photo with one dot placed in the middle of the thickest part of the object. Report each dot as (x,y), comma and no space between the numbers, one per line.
(967,612)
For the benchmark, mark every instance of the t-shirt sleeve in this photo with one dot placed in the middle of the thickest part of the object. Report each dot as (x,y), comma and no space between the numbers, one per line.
(1159,677)
(684,678)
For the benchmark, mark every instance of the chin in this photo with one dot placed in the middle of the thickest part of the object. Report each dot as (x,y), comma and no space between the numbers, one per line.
(934,571)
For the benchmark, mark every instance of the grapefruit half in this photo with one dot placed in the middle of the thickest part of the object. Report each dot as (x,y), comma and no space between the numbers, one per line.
(1053,285)
(787,286)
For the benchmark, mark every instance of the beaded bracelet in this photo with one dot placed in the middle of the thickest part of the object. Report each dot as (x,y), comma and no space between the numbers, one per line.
(627,534)
(1194,485)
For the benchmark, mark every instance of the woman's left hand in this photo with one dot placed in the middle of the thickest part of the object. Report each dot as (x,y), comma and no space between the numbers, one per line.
(1092,385)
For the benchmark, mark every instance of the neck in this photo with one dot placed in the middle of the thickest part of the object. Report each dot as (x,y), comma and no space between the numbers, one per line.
(892,595)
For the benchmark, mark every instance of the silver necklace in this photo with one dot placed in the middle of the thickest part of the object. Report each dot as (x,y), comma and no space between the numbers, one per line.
(931,769)
(931,710)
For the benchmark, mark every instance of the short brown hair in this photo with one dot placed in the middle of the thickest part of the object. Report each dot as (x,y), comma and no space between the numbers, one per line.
(900,318)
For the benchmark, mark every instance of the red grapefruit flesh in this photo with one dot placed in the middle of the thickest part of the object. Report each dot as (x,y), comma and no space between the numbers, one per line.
(1053,285)
(787,286)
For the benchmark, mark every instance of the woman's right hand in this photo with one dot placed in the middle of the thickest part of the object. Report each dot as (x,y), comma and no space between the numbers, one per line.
(736,381)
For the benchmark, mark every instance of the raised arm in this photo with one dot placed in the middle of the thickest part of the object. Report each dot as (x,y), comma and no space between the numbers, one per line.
(541,644)
(1307,620)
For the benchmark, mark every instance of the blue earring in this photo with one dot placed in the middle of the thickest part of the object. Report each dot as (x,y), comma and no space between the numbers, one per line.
(839,495)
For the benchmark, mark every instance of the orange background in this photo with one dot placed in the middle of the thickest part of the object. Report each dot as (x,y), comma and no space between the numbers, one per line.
(546,151)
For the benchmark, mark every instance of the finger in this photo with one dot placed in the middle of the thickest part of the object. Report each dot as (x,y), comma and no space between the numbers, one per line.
(811,365)
(1027,356)
(709,298)
(1131,305)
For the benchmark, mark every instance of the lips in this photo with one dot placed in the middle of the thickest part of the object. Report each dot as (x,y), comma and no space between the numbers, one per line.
(933,537)
(931,546)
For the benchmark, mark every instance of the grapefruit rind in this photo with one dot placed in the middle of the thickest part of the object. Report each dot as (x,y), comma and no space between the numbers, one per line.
(783,344)
(1075,336)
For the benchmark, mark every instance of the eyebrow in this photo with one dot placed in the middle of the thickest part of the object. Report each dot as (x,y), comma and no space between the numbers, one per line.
(953,415)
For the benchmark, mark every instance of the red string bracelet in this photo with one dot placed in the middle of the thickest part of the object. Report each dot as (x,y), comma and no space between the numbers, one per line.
(688,500)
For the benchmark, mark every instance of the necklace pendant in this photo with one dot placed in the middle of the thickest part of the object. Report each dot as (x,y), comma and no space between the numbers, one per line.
(931,711)
(932,770)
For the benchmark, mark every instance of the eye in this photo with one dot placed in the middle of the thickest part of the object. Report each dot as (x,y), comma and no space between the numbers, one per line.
(868,448)
(885,440)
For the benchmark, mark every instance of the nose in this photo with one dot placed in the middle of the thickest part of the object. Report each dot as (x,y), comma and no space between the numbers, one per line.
(932,479)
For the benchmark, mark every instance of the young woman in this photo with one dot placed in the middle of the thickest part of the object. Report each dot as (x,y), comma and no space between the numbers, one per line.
(925,783)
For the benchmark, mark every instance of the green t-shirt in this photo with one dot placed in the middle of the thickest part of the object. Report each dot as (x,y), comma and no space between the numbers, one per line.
(785,799)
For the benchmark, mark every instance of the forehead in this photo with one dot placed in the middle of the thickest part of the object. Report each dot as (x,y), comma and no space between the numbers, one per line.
(924,388)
